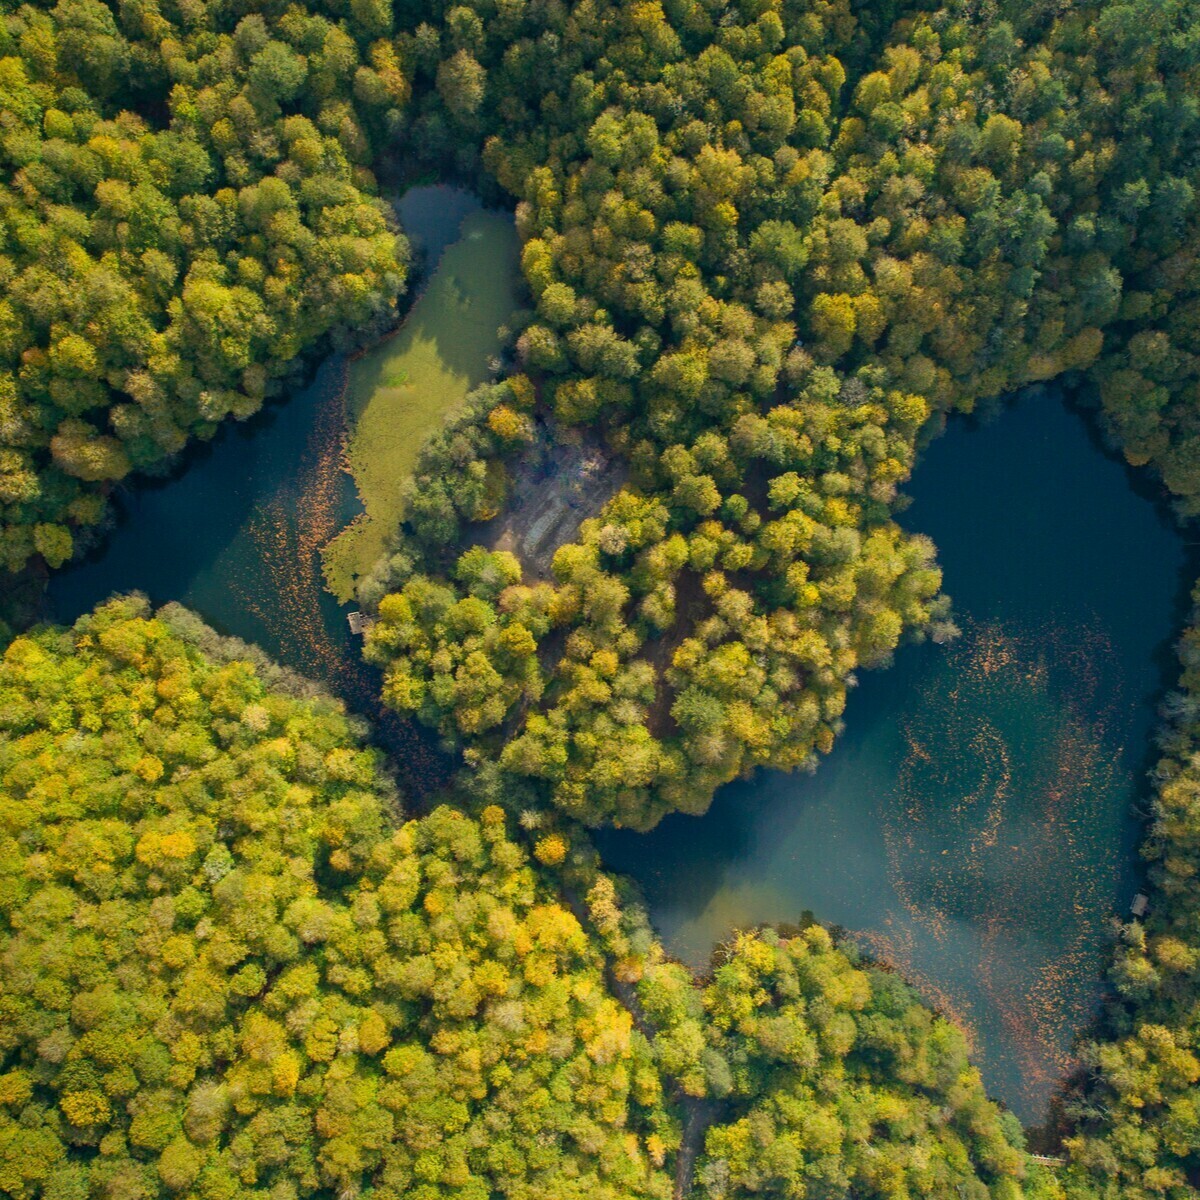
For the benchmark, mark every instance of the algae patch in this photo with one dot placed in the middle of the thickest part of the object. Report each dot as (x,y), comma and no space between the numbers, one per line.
(400,391)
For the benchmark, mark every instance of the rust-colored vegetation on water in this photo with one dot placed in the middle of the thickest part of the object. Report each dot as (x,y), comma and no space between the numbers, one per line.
(1000,825)
(289,529)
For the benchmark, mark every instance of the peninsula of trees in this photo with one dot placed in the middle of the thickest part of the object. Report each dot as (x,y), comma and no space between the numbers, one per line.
(768,245)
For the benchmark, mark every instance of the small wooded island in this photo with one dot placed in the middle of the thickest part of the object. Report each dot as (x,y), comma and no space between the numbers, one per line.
(680,292)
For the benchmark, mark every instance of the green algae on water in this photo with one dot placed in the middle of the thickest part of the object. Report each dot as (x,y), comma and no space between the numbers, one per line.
(399,392)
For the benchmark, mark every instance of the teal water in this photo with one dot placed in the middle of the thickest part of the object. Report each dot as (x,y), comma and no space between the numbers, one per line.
(235,533)
(430,216)
(974,824)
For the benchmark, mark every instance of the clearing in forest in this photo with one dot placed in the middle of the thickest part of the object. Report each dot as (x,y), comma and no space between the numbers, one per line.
(560,481)
(399,392)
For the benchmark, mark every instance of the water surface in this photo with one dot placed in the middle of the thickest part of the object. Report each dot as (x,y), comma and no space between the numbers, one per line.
(973,824)
(236,533)
(431,216)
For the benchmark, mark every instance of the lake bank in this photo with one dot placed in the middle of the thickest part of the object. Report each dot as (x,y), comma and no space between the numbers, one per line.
(973,824)
(236,532)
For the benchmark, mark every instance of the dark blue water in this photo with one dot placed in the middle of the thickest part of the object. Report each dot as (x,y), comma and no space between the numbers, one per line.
(973,825)
(224,536)
(236,533)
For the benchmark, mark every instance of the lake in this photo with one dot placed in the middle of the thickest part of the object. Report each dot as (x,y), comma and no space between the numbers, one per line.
(974,824)
(236,534)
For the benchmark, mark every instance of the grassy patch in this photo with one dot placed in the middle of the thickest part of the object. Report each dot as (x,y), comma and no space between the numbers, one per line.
(400,391)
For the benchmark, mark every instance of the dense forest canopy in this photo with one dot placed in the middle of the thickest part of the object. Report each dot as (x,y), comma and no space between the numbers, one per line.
(186,208)
(231,968)
(768,246)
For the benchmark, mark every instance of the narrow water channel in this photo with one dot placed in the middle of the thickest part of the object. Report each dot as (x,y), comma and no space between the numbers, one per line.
(235,534)
(974,824)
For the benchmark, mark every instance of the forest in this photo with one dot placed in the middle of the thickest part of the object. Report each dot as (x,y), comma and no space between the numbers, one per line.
(768,247)
(233,966)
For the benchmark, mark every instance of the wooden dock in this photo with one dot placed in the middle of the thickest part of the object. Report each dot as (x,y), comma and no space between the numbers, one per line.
(359,622)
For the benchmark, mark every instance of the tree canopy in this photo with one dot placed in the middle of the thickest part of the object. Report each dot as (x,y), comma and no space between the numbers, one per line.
(186,210)
(769,245)
(231,967)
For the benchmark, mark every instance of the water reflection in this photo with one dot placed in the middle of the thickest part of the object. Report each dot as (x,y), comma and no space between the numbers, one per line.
(972,826)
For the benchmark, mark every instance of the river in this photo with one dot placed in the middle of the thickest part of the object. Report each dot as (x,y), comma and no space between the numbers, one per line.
(236,532)
(974,824)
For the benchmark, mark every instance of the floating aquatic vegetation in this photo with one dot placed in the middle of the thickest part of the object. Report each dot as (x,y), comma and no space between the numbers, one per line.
(999,824)
(289,526)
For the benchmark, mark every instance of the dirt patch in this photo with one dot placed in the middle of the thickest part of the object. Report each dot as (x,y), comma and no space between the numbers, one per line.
(558,482)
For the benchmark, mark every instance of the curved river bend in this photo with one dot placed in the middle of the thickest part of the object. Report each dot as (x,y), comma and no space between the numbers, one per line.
(236,534)
(973,824)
